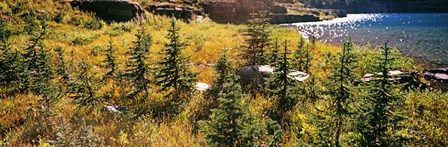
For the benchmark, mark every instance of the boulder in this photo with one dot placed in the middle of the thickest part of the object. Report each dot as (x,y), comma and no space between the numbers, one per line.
(112,10)
(255,76)
(298,76)
(438,78)
(409,80)
(394,76)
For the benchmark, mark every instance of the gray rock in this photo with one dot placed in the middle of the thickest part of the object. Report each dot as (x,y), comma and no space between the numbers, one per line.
(409,80)
(298,76)
(255,76)
(202,86)
(438,78)
(114,108)
(395,75)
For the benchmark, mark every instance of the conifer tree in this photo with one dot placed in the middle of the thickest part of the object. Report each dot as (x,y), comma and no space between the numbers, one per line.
(44,73)
(33,57)
(31,21)
(273,56)
(8,59)
(61,66)
(344,77)
(84,87)
(308,55)
(224,126)
(224,67)
(174,75)
(380,117)
(138,70)
(300,55)
(110,61)
(258,38)
(9,64)
(308,58)
(232,123)
(281,86)
(341,94)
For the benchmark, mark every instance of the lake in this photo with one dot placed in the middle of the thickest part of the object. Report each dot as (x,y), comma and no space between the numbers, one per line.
(422,36)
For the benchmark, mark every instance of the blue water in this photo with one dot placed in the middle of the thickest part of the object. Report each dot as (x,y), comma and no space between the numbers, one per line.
(421,36)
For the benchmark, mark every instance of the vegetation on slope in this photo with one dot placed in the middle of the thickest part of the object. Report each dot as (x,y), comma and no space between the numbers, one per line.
(60,72)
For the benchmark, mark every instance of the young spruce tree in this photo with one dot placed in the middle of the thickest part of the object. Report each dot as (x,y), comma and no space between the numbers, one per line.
(258,38)
(300,55)
(62,70)
(110,62)
(340,90)
(223,68)
(225,122)
(8,58)
(35,67)
(380,119)
(84,87)
(138,69)
(174,75)
(232,124)
(281,86)
(273,55)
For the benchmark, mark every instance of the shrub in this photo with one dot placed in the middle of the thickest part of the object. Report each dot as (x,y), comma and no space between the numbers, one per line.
(83,39)
(94,23)
(59,18)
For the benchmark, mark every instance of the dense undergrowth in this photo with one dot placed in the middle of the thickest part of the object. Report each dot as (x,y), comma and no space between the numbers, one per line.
(67,64)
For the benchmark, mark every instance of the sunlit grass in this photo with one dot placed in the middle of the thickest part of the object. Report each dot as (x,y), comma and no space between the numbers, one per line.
(206,41)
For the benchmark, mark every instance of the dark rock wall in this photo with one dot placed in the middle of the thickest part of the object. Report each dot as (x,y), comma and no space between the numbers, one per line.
(238,11)
(184,12)
(113,10)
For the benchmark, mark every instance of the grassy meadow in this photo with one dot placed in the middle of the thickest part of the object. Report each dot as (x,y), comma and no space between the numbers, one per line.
(28,119)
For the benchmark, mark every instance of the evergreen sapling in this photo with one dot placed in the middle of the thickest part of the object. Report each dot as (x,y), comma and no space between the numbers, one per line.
(174,76)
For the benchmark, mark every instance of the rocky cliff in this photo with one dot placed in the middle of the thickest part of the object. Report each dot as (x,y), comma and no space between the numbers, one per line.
(179,11)
(236,11)
(239,11)
(112,10)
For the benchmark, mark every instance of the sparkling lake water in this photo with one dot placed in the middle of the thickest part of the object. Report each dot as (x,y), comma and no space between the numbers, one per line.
(423,36)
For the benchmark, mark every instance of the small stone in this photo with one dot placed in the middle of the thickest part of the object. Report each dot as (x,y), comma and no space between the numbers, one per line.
(202,86)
